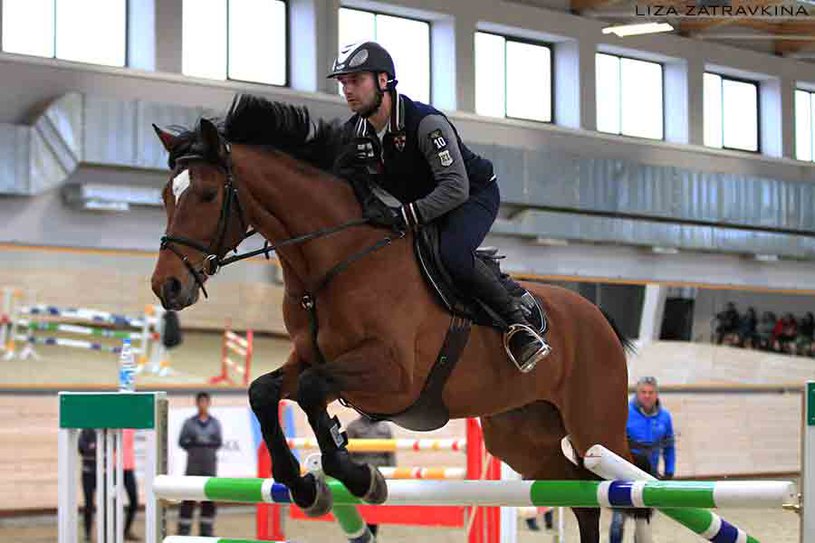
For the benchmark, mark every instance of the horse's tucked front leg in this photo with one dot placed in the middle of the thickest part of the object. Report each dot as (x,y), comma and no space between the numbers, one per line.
(309,493)
(316,387)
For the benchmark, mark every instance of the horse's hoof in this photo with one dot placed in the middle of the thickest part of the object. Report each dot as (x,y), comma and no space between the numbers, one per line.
(378,491)
(323,499)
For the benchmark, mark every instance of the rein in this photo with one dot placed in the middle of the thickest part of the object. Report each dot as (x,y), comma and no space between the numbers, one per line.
(213,260)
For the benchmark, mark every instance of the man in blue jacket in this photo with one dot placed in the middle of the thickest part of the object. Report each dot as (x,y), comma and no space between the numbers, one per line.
(650,435)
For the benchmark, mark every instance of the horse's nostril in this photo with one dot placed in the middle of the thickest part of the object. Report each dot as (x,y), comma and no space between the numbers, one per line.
(171,289)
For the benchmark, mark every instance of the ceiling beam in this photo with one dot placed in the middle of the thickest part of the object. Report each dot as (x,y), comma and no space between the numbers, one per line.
(794,28)
(689,27)
(786,47)
(579,6)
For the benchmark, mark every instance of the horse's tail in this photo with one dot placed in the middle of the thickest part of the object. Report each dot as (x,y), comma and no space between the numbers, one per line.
(627,343)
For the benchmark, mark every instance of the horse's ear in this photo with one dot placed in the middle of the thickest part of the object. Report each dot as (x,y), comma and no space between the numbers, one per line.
(210,137)
(167,140)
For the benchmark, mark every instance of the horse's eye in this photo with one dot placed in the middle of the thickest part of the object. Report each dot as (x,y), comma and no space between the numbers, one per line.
(209,196)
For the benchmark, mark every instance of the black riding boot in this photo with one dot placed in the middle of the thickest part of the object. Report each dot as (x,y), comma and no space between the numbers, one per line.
(524,345)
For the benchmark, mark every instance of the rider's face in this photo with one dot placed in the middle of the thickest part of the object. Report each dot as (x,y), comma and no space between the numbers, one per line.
(359,90)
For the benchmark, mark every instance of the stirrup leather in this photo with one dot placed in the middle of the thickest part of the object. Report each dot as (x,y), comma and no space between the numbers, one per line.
(527,365)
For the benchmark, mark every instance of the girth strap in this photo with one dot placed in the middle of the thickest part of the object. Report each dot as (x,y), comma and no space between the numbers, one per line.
(429,412)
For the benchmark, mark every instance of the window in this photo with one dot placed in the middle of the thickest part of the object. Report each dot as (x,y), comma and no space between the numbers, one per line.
(91,31)
(731,113)
(629,96)
(407,40)
(512,78)
(235,39)
(804,126)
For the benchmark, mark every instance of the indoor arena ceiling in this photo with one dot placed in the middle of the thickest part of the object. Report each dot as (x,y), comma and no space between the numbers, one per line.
(781,27)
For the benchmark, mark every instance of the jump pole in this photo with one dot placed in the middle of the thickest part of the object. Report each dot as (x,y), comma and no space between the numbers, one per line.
(691,514)
(625,494)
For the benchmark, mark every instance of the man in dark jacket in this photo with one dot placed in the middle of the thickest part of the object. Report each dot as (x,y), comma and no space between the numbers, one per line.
(412,151)
(201,437)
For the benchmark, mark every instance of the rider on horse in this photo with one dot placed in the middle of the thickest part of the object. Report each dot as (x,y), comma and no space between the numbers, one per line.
(412,151)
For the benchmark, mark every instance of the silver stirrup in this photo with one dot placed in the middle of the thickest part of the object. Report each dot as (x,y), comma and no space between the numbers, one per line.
(539,355)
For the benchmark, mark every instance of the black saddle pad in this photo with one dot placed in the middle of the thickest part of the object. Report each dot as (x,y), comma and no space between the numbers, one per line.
(426,246)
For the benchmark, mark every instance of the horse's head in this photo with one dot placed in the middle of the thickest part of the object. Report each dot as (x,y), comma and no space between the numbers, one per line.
(204,217)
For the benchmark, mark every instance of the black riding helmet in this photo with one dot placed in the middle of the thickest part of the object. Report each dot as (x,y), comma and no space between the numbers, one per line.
(368,56)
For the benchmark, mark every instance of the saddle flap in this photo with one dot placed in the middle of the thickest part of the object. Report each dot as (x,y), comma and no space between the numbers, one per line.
(428,254)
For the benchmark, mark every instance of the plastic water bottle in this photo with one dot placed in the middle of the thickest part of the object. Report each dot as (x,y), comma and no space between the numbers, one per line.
(127,368)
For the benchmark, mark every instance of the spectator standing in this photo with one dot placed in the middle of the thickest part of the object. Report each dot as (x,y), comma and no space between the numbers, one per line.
(201,437)
(364,428)
(650,436)
(785,333)
(806,334)
(765,329)
(727,322)
(747,328)
(129,462)
(87,450)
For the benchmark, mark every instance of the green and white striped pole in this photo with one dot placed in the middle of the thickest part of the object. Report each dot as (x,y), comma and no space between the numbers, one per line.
(691,510)
(661,494)
(353,525)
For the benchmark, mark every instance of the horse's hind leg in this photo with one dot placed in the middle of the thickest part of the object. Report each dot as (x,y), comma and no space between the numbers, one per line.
(528,439)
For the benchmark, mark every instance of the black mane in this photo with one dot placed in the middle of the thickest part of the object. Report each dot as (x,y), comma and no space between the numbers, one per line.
(257,121)
(253,120)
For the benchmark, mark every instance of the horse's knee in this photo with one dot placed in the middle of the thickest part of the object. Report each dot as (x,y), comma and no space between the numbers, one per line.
(313,388)
(264,392)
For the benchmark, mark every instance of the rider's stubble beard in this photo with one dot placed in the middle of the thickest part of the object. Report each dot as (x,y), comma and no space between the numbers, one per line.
(373,106)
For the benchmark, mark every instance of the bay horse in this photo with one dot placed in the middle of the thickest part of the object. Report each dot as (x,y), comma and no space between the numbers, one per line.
(377,328)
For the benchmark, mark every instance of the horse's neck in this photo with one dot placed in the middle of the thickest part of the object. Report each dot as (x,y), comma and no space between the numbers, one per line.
(286,198)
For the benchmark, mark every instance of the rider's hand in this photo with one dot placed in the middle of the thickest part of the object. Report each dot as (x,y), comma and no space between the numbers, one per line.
(364,149)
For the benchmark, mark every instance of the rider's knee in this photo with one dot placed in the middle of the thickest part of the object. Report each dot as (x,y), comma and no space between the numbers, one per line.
(457,260)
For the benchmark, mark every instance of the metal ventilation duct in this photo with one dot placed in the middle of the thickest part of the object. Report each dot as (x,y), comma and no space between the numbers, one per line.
(82,129)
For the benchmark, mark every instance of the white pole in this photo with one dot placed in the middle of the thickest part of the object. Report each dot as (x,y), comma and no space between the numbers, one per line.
(509,515)
(808,465)
(561,525)
(120,527)
(154,518)
(67,469)
(100,485)
(110,488)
